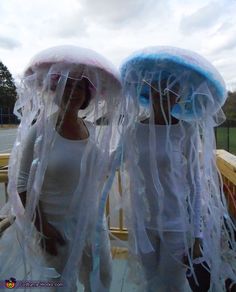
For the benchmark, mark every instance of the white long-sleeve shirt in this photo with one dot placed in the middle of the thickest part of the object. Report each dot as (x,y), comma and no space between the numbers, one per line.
(61,176)
(174,171)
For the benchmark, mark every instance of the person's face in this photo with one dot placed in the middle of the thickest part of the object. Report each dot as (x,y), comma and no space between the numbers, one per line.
(163,98)
(76,94)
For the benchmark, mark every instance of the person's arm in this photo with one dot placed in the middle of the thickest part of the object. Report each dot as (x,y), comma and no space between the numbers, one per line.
(197,217)
(50,233)
(194,178)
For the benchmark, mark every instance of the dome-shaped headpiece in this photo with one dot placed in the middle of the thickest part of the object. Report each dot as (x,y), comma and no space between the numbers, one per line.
(76,63)
(201,88)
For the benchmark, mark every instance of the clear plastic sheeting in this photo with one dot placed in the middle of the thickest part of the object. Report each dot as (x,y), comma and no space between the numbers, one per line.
(61,158)
(172,190)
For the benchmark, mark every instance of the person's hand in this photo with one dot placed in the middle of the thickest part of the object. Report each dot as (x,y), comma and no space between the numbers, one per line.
(52,237)
(196,251)
(197,248)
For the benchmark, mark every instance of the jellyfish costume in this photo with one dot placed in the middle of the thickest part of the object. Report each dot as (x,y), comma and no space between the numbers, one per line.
(172,190)
(62,176)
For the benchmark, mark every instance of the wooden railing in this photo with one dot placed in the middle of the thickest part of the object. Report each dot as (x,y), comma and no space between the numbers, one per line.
(119,231)
(226,163)
(4,158)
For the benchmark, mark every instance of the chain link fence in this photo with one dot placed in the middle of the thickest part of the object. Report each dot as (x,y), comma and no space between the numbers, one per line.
(226,136)
(7,117)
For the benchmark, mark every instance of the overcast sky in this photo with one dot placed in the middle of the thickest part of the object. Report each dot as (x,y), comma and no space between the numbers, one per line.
(116,28)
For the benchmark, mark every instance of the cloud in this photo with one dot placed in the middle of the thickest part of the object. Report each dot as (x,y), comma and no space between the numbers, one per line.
(8,43)
(224,27)
(116,12)
(73,25)
(222,42)
(232,85)
(203,18)
(225,63)
(43,19)
(229,43)
(116,28)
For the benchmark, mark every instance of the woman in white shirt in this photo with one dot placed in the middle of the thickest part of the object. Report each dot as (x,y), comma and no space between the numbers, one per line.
(64,164)
(172,97)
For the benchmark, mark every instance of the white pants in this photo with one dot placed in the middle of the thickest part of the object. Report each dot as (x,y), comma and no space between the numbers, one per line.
(86,264)
(163,268)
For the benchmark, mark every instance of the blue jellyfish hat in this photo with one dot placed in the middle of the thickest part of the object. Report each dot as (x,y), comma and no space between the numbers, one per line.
(202,89)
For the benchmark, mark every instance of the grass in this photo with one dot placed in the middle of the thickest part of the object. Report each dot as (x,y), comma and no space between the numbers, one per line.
(226,139)
(8,126)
